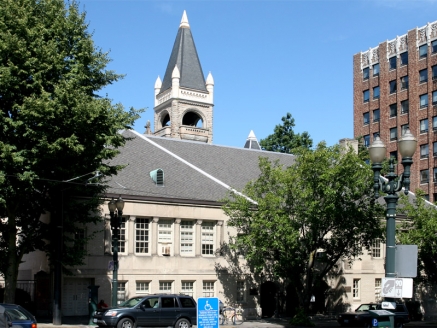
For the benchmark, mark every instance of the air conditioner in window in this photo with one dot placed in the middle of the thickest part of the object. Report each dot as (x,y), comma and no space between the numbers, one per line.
(165,250)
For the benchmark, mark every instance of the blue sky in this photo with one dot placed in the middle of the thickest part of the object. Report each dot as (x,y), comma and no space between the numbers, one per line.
(267,57)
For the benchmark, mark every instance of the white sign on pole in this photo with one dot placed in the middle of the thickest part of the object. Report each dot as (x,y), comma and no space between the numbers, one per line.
(397,287)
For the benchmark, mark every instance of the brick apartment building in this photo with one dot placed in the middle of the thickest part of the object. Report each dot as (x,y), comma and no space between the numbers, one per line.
(395,87)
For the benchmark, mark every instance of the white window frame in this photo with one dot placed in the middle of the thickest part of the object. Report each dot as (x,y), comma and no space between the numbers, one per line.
(142,287)
(208,288)
(187,237)
(121,292)
(166,286)
(378,282)
(356,288)
(165,231)
(208,238)
(142,236)
(376,248)
(187,288)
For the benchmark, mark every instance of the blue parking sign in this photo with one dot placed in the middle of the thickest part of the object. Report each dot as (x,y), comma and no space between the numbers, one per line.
(208,312)
(374,322)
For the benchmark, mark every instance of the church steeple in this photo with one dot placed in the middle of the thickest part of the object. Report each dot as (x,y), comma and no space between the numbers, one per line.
(183,100)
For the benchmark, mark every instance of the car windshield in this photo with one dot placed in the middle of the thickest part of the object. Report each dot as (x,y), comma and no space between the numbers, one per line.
(16,314)
(366,307)
(131,302)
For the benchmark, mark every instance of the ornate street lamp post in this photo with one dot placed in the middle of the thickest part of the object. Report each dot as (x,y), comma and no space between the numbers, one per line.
(407,146)
(116,219)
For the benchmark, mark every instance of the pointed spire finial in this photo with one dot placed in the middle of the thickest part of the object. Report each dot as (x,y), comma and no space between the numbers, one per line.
(184,21)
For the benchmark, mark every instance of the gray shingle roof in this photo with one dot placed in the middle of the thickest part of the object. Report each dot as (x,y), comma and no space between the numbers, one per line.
(184,55)
(192,171)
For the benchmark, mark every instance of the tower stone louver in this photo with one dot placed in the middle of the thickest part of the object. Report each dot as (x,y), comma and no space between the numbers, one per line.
(184,100)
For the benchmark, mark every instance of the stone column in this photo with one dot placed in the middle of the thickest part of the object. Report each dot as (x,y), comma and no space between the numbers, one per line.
(154,236)
(130,234)
(198,248)
(177,237)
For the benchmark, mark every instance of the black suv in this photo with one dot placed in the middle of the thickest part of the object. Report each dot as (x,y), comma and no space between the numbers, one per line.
(362,318)
(157,310)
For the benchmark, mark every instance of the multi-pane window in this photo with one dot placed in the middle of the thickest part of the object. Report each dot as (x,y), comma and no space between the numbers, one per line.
(423,51)
(141,235)
(187,237)
(434,46)
(424,176)
(375,69)
(241,291)
(434,72)
(393,110)
(404,58)
(434,123)
(365,73)
(366,140)
(375,134)
(392,62)
(365,95)
(376,115)
(208,289)
(377,289)
(404,82)
(376,248)
(426,197)
(165,287)
(423,75)
(424,153)
(366,118)
(376,93)
(122,236)
(393,86)
(434,150)
(187,288)
(356,288)
(394,154)
(393,134)
(207,238)
(405,106)
(121,292)
(404,128)
(164,231)
(424,125)
(423,100)
(142,287)
(434,97)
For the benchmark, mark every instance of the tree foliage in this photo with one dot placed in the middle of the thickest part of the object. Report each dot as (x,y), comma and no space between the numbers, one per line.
(284,139)
(324,201)
(420,229)
(54,127)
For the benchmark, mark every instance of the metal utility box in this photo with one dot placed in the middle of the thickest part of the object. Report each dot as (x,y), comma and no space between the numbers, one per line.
(382,318)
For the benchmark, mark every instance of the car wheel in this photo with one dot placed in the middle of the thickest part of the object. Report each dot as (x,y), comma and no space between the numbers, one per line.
(182,323)
(125,323)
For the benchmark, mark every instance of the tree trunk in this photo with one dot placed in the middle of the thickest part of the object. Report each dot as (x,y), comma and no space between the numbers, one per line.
(11,273)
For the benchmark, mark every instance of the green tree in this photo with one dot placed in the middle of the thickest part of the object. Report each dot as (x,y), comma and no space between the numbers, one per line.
(54,127)
(284,139)
(420,229)
(324,201)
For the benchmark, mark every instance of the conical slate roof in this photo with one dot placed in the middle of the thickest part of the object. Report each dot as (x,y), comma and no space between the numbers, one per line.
(184,55)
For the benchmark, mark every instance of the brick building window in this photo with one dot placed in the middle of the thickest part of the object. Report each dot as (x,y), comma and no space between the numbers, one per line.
(434,72)
(376,70)
(366,96)
(376,93)
(366,140)
(365,73)
(187,288)
(393,134)
(187,237)
(404,82)
(424,153)
(434,97)
(423,51)
(392,85)
(434,149)
(424,125)
(423,100)
(392,62)
(404,129)
(142,287)
(394,154)
(434,46)
(404,58)
(405,106)
(366,118)
(424,176)
(423,75)
(376,115)
(393,110)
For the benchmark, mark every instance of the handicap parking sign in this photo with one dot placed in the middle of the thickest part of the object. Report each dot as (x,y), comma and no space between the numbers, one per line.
(207,312)
(375,322)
